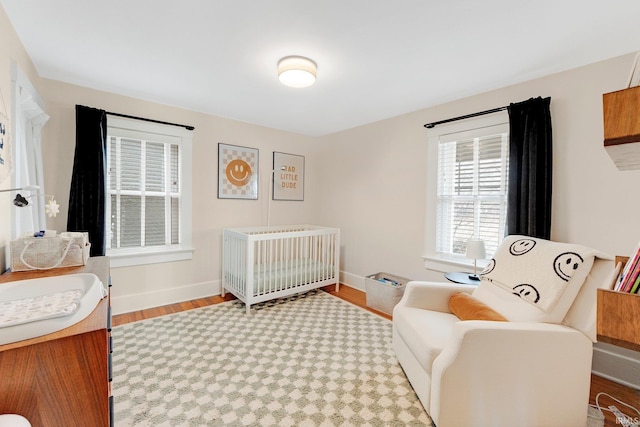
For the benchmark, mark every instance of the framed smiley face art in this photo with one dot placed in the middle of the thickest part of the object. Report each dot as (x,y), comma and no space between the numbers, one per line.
(237,172)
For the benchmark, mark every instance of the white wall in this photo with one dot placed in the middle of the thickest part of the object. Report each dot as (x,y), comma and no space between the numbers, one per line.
(376,190)
(158,284)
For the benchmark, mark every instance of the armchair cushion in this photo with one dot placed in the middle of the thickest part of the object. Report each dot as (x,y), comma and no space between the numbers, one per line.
(425,332)
(466,307)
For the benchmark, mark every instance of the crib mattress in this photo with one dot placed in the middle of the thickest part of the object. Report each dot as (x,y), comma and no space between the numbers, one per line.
(275,276)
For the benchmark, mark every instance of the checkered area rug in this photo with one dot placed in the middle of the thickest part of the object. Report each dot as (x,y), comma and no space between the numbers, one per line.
(312,360)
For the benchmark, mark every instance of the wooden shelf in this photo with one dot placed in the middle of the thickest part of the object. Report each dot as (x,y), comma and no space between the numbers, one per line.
(617,318)
(621,117)
(618,313)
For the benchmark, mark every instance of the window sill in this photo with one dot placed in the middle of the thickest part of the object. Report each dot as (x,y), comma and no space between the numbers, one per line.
(131,257)
(443,263)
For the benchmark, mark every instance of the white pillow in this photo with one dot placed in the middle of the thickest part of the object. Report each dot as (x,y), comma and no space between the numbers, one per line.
(531,279)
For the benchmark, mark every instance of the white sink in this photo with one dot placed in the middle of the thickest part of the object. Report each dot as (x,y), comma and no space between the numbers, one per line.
(85,289)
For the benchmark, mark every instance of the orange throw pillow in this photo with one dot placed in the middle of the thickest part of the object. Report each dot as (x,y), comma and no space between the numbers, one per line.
(467,307)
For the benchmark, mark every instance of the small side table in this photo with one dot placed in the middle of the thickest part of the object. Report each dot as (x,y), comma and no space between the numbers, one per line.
(460,277)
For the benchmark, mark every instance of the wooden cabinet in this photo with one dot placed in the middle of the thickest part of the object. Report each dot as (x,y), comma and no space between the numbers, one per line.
(618,314)
(61,379)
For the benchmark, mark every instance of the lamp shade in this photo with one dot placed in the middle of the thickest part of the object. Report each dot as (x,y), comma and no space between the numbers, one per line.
(297,71)
(475,249)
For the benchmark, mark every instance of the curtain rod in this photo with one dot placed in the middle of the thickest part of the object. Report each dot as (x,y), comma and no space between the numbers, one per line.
(187,127)
(468,116)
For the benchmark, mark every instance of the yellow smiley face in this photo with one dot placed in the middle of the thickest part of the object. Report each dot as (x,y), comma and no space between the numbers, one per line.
(238,172)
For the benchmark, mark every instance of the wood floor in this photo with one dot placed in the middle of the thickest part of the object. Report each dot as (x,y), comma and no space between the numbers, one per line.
(357,297)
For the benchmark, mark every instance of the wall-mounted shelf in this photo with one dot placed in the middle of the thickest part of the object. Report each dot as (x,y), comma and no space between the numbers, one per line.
(618,315)
(621,115)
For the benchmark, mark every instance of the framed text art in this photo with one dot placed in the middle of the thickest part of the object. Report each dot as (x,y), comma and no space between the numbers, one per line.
(288,176)
(237,172)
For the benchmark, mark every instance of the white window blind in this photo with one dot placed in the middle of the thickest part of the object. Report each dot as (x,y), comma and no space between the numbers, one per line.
(149,203)
(471,189)
(144,193)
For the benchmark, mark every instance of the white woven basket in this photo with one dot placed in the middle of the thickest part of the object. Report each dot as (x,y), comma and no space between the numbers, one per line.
(44,253)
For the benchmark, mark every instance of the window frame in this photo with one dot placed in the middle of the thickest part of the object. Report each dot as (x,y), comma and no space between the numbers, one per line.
(28,118)
(156,132)
(434,260)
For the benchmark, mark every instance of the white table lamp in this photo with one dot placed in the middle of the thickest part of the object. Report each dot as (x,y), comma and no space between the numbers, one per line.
(475,251)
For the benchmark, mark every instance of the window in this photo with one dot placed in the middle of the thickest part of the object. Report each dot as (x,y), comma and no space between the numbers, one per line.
(469,190)
(472,191)
(149,194)
(28,119)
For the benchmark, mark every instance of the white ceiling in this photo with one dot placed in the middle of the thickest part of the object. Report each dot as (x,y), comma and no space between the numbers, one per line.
(376,59)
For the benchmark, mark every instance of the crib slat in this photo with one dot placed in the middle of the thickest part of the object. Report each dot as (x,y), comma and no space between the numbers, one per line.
(262,263)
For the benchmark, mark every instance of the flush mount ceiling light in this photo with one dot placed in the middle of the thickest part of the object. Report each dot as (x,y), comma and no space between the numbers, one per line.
(297,71)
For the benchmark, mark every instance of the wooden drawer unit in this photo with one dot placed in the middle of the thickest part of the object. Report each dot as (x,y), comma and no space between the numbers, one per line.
(61,379)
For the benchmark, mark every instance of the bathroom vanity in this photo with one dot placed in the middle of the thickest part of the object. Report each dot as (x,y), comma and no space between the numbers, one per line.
(62,379)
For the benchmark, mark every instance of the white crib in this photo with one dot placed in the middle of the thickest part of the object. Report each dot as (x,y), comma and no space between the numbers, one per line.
(264,263)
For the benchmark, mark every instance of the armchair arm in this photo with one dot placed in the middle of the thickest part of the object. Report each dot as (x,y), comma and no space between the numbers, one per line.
(535,373)
(431,295)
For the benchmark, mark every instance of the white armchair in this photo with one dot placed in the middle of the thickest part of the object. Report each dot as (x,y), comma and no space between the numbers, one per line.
(530,371)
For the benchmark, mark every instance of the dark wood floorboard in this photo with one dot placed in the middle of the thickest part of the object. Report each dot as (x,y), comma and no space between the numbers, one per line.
(357,297)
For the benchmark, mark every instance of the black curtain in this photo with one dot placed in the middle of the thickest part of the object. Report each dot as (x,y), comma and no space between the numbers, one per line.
(530,168)
(88,182)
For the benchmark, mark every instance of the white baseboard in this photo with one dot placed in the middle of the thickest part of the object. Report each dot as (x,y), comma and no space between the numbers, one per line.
(352,280)
(157,298)
(617,364)
(144,300)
